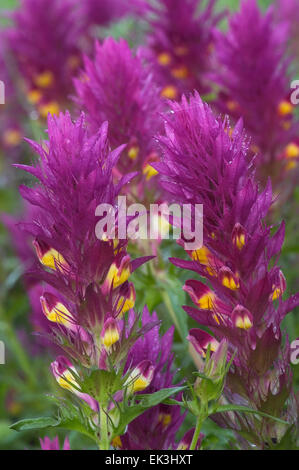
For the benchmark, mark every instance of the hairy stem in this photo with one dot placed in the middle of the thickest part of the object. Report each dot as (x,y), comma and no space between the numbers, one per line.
(104,443)
(196,433)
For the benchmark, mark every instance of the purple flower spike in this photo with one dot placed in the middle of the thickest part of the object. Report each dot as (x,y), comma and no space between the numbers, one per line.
(156,428)
(44,42)
(180,45)
(116,87)
(241,301)
(253,74)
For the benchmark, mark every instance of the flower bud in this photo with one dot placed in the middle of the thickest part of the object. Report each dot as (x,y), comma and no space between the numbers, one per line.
(215,369)
(242,318)
(65,374)
(118,274)
(228,279)
(140,377)
(126,301)
(56,311)
(201,340)
(48,256)
(200,294)
(238,236)
(110,333)
(279,287)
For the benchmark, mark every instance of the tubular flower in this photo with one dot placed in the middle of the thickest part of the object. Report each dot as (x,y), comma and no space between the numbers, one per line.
(156,428)
(116,340)
(241,300)
(66,375)
(75,174)
(253,75)
(180,45)
(45,47)
(129,103)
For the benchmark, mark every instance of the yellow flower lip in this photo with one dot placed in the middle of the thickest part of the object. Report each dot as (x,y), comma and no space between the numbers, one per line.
(169,92)
(239,236)
(201,255)
(110,334)
(279,287)
(44,79)
(149,171)
(66,380)
(55,311)
(285,108)
(133,152)
(206,302)
(243,323)
(242,318)
(48,256)
(51,107)
(140,377)
(228,279)
(204,256)
(164,58)
(126,300)
(230,283)
(292,150)
(65,375)
(118,274)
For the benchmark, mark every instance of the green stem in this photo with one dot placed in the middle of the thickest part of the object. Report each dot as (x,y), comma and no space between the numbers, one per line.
(196,433)
(104,443)
(171,312)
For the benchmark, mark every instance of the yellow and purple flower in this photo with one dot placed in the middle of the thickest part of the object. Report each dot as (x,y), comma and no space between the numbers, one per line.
(156,428)
(180,45)
(44,43)
(242,298)
(130,103)
(255,79)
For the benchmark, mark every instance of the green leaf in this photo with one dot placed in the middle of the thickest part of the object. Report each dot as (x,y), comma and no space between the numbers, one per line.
(171,401)
(245,409)
(129,412)
(202,376)
(34,423)
(155,398)
(173,299)
(76,425)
